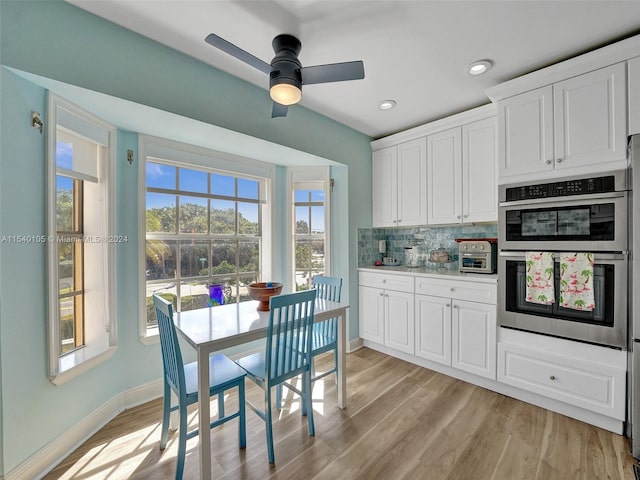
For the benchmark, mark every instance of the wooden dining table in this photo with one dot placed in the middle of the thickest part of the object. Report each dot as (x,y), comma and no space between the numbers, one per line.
(213,329)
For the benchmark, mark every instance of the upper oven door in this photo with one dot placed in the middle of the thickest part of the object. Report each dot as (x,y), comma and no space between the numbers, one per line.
(561,223)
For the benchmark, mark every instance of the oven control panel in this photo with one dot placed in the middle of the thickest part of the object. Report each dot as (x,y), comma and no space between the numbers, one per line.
(565,188)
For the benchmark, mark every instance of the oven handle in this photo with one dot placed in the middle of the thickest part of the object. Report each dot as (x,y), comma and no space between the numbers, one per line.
(598,255)
(568,201)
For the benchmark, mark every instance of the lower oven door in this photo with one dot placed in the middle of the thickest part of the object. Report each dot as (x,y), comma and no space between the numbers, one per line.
(605,325)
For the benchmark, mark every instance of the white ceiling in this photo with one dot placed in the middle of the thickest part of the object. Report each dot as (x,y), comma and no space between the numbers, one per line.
(415,52)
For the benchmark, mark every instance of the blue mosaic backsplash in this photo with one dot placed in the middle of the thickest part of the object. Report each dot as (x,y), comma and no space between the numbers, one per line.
(428,238)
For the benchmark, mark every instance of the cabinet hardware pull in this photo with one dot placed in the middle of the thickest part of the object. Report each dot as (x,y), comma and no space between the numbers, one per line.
(458,217)
(552,377)
(548,162)
(452,289)
(466,216)
(448,305)
(455,306)
(559,160)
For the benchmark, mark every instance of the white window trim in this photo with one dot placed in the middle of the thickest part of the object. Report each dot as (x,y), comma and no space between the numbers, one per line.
(61,369)
(311,175)
(185,155)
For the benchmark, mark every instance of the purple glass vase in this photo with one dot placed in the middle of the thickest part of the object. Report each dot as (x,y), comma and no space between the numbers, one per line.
(216,295)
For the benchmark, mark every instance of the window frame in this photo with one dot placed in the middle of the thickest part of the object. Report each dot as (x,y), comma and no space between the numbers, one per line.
(178,154)
(95,350)
(308,178)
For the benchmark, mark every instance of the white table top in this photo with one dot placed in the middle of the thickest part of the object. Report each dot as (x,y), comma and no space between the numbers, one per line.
(237,323)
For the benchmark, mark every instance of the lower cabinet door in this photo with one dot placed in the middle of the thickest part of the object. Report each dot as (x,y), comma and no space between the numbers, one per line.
(399,321)
(474,338)
(372,302)
(433,328)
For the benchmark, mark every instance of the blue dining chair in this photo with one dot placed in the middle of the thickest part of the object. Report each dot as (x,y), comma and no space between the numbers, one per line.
(287,355)
(183,381)
(325,334)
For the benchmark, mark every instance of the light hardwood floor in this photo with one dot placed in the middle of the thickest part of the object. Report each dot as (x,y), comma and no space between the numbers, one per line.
(402,422)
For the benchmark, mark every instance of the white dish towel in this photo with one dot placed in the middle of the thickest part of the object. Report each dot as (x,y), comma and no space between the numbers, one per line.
(540,288)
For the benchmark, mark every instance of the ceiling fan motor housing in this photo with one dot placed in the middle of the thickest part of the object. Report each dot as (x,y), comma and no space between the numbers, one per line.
(286,66)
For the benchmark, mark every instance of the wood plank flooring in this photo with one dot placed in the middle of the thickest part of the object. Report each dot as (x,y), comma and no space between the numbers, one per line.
(402,422)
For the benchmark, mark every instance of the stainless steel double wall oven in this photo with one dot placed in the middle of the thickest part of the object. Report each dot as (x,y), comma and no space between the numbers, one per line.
(573,214)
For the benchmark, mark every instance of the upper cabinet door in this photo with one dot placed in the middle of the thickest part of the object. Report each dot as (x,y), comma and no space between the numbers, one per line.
(634,96)
(590,118)
(384,170)
(444,176)
(412,183)
(479,171)
(526,133)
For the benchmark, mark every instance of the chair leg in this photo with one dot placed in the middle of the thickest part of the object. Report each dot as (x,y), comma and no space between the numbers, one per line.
(182,442)
(166,411)
(221,404)
(279,396)
(306,378)
(268,421)
(242,420)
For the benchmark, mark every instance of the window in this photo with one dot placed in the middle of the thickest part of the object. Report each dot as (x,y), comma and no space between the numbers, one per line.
(310,220)
(81,326)
(204,226)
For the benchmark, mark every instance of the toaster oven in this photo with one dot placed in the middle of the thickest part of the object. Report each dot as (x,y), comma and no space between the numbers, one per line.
(478,255)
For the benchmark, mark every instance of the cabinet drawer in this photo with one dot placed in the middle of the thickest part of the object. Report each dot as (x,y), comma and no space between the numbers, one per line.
(593,386)
(470,291)
(402,283)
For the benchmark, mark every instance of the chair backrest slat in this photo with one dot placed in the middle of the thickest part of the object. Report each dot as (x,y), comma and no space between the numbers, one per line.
(329,288)
(171,354)
(289,333)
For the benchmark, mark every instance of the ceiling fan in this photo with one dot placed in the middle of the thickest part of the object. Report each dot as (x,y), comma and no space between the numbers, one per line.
(286,73)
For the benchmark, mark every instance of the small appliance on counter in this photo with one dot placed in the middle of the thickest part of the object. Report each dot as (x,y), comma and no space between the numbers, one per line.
(478,255)
(412,254)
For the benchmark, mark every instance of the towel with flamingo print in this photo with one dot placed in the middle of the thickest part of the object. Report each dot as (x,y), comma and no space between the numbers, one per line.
(540,287)
(576,281)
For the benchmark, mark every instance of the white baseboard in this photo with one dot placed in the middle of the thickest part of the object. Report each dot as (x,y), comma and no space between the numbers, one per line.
(355,344)
(45,459)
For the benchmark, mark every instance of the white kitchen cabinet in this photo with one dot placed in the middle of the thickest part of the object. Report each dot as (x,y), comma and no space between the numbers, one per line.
(582,375)
(473,335)
(399,320)
(634,95)
(578,122)
(384,174)
(387,310)
(372,310)
(453,327)
(461,174)
(433,328)
(399,175)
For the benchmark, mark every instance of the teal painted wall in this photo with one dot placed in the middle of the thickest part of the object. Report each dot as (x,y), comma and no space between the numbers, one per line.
(84,50)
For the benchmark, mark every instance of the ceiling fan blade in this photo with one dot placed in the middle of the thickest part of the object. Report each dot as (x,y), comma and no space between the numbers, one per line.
(279,110)
(240,54)
(334,72)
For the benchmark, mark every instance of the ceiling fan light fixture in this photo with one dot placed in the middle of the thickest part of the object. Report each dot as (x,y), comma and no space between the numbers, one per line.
(285,94)
(479,67)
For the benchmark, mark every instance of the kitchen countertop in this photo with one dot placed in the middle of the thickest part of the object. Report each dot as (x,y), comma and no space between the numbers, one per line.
(431,272)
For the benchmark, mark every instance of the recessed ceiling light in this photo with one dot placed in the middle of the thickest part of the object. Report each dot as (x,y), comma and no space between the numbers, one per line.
(479,67)
(387,104)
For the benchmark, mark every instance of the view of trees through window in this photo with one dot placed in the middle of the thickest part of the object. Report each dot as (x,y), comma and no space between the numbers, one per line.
(70,262)
(202,228)
(309,236)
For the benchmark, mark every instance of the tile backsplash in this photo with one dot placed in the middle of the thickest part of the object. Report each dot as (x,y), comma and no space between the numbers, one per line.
(428,238)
